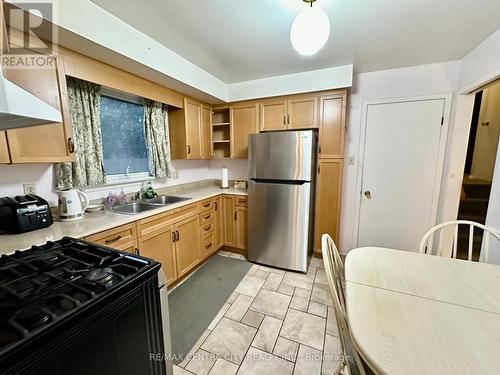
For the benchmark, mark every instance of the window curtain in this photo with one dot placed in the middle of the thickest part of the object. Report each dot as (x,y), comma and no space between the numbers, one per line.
(158,139)
(87,169)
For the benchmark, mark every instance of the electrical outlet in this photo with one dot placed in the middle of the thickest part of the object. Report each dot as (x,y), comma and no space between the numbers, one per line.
(350,160)
(29,188)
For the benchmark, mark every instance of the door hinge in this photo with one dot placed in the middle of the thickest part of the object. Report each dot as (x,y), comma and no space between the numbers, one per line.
(442,120)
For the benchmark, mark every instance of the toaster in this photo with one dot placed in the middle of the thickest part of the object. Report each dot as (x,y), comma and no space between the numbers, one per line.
(24,213)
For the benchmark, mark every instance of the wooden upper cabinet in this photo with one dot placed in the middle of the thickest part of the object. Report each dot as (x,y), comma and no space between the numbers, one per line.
(44,143)
(328,197)
(244,122)
(193,129)
(186,133)
(4,150)
(273,114)
(332,126)
(206,131)
(302,113)
(187,244)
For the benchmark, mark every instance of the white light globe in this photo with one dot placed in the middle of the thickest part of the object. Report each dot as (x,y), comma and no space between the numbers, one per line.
(310,31)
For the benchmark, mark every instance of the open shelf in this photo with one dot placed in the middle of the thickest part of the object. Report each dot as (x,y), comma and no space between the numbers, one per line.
(221,133)
(221,151)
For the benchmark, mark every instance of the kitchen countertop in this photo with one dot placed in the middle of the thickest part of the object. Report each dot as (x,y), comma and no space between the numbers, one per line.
(100,221)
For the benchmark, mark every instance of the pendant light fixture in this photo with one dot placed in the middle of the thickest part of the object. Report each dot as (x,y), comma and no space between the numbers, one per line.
(310,30)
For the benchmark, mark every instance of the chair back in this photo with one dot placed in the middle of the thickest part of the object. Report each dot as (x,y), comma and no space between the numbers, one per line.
(334,269)
(427,242)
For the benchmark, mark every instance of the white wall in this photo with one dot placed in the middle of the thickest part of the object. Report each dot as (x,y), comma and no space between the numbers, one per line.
(481,65)
(395,83)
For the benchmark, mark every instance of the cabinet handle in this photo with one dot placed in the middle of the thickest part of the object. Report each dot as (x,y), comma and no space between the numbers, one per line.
(319,151)
(235,215)
(178,236)
(215,206)
(71,145)
(242,201)
(288,119)
(173,236)
(113,239)
(189,149)
(208,228)
(136,251)
(319,168)
(206,204)
(284,120)
(207,246)
(208,217)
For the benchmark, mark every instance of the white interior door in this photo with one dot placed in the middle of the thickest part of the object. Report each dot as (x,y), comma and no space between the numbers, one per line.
(401,172)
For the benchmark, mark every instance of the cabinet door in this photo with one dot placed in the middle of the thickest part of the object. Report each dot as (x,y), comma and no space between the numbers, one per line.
(123,237)
(188,244)
(160,247)
(192,113)
(332,127)
(219,224)
(328,196)
(44,143)
(206,130)
(241,227)
(303,113)
(4,150)
(273,115)
(244,123)
(229,221)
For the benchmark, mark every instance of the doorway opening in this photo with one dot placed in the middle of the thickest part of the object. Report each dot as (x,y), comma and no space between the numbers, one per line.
(479,167)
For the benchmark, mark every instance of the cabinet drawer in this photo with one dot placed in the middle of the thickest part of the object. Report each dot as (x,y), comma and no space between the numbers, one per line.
(120,238)
(241,201)
(159,222)
(208,244)
(207,217)
(206,205)
(207,228)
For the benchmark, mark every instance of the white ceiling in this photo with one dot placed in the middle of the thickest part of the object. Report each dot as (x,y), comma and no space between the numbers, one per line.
(240,40)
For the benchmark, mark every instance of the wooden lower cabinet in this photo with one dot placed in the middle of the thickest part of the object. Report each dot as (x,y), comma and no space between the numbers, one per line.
(328,197)
(122,238)
(219,223)
(229,221)
(4,150)
(187,244)
(160,246)
(241,227)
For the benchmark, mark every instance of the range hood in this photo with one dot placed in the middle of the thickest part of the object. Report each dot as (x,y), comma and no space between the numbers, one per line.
(19,108)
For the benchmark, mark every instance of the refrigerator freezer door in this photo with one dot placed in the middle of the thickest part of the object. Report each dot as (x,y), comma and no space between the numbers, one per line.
(278,224)
(281,155)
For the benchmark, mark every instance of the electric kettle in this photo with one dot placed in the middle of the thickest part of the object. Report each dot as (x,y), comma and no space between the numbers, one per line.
(72,204)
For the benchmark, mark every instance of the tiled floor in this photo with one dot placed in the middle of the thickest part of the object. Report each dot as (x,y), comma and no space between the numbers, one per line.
(275,322)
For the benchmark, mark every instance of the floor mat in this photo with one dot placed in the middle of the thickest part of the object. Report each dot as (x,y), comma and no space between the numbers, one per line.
(195,303)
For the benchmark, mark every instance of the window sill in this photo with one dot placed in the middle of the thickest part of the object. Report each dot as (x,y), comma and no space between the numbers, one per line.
(119,181)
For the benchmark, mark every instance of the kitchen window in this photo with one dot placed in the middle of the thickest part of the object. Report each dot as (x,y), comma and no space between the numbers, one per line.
(124,146)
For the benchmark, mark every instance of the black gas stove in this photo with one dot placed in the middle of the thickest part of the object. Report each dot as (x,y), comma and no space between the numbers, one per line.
(57,300)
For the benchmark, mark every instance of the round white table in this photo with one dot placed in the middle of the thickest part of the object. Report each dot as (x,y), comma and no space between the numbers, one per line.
(411,313)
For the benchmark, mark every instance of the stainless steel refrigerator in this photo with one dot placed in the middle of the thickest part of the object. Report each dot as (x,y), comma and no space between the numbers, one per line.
(281,195)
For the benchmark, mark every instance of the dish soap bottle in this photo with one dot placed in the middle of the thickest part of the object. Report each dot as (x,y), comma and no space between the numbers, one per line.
(149,193)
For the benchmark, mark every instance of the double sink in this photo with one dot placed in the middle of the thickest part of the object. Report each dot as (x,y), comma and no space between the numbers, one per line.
(143,205)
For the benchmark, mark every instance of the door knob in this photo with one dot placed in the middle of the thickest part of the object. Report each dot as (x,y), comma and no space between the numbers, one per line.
(368,194)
